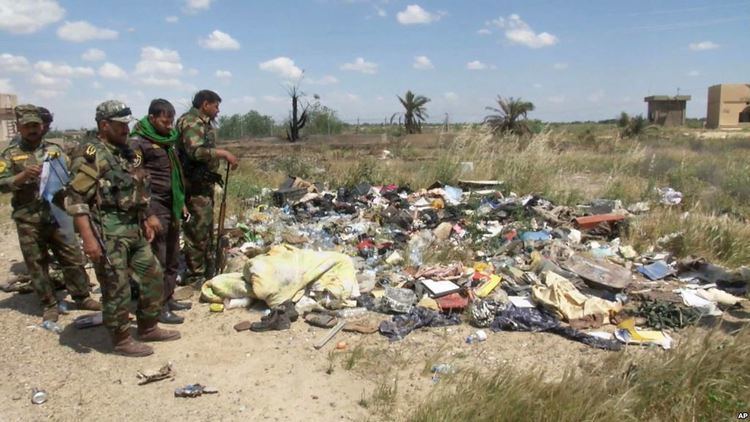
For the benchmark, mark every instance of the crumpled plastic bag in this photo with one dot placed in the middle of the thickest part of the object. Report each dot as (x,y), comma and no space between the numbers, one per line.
(401,325)
(538,320)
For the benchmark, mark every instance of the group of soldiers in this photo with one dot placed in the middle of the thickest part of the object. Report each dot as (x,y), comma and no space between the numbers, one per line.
(129,191)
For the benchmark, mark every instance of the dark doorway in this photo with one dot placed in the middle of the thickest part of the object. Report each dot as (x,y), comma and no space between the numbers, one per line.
(745,115)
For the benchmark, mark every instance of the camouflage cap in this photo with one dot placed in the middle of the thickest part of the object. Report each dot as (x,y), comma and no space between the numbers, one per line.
(113,110)
(27,113)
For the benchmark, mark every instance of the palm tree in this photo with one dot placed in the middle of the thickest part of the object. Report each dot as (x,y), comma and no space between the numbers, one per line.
(415,112)
(511,116)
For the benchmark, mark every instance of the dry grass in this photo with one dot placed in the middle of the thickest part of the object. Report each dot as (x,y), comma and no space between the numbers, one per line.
(706,378)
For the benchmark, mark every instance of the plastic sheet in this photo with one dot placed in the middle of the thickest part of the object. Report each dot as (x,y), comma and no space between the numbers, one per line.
(401,325)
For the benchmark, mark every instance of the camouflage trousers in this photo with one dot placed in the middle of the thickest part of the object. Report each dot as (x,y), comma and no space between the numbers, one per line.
(36,240)
(166,248)
(129,254)
(198,232)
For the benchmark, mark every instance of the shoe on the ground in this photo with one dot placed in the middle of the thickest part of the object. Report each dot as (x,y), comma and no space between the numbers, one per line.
(88,304)
(168,317)
(150,331)
(290,310)
(277,320)
(178,306)
(125,345)
(51,313)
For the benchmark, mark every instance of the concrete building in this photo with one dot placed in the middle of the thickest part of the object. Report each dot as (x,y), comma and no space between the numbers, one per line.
(728,106)
(7,117)
(664,110)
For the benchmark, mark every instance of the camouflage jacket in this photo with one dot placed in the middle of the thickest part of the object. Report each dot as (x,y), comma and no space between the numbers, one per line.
(197,143)
(28,206)
(110,184)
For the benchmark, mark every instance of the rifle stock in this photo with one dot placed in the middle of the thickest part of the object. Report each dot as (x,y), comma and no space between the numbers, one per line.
(221,241)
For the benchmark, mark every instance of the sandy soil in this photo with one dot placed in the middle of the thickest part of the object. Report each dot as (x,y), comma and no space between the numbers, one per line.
(268,376)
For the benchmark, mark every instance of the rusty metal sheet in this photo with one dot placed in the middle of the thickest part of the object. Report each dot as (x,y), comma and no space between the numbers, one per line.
(592,221)
(598,273)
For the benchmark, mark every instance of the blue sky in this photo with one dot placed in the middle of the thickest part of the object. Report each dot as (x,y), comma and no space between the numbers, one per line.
(576,60)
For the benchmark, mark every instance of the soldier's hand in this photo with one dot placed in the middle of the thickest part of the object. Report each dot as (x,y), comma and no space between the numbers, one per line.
(155,224)
(148,232)
(230,158)
(92,250)
(28,173)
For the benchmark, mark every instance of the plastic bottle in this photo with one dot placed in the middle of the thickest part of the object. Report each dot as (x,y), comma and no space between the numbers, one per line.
(52,326)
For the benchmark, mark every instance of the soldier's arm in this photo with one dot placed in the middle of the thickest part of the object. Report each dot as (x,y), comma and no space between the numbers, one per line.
(78,196)
(194,141)
(81,189)
(6,176)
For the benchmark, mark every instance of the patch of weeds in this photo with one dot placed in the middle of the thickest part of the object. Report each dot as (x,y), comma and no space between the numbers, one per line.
(353,357)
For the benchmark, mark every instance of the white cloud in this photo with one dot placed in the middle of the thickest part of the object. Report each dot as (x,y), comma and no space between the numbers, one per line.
(519,32)
(62,69)
(157,61)
(192,71)
(6,86)
(415,14)
(11,63)
(283,66)
(596,96)
(218,40)
(223,74)
(556,99)
(112,71)
(484,31)
(703,45)
(195,6)
(560,66)
(93,55)
(450,96)
(48,93)
(28,16)
(171,19)
(81,31)
(325,80)
(694,73)
(476,65)
(537,85)
(422,63)
(161,81)
(43,80)
(96,85)
(381,12)
(361,65)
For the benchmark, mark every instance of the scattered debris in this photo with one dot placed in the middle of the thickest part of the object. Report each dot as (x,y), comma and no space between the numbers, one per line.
(163,373)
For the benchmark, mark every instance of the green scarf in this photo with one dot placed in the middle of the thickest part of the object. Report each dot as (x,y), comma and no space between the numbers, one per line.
(145,129)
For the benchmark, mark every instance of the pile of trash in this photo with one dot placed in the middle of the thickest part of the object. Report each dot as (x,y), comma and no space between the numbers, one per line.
(470,253)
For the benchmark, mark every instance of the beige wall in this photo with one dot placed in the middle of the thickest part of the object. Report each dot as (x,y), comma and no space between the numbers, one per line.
(7,119)
(725,103)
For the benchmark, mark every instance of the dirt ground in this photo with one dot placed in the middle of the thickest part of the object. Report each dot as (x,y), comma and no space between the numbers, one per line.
(267,376)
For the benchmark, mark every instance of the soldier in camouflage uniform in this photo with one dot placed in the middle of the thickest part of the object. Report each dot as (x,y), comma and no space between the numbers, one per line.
(38,231)
(108,196)
(200,160)
(47,119)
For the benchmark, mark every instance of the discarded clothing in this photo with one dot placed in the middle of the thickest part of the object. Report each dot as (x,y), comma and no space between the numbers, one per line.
(401,325)
(562,298)
(536,320)
(224,286)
